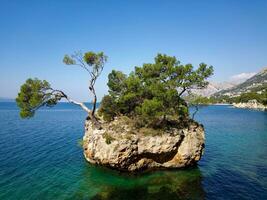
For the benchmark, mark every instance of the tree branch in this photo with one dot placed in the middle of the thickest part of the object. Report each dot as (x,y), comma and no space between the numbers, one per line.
(82,105)
(184,89)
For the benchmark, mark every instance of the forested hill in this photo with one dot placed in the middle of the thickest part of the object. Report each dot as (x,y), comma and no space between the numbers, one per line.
(257,83)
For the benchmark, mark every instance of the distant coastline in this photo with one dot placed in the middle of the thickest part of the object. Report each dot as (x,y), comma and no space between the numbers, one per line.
(5,99)
(249,105)
(252,104)
(222,104)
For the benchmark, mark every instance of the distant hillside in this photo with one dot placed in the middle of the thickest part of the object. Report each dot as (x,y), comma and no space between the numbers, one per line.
(257,83)
(213,88)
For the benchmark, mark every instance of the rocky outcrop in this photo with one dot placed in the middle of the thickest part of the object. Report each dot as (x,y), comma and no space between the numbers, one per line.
(123,149)
(252,104)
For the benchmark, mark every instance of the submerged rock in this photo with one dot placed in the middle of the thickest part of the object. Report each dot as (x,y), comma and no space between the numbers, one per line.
(126,150)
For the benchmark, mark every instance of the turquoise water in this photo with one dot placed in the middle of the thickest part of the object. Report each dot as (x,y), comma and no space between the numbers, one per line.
(40,159)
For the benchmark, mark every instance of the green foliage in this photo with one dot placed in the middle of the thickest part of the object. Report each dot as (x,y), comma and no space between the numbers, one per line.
(90,61)
(92,58)
(68,60)
(93,63)
(194,99)
(261,97)
(80,143)
(154,92)
(116,83)
(108,108)
(33,94)
(108,138)
(150,107)
(150,111)
(245,97)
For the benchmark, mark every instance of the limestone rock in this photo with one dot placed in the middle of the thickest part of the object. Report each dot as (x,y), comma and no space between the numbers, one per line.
(126,151)
(252,104)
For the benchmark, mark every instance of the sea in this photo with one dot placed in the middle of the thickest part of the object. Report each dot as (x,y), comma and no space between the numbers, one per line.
(41,158)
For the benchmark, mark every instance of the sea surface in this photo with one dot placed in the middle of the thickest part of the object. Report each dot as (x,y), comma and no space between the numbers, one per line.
(40,158)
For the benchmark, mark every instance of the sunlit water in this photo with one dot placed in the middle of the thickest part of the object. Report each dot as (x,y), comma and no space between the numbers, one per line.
(40,159)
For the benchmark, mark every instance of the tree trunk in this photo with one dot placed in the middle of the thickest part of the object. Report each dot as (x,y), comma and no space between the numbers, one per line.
(94,103)
(95,121)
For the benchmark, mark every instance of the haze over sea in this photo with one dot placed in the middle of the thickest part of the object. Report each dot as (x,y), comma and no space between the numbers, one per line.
(41,159)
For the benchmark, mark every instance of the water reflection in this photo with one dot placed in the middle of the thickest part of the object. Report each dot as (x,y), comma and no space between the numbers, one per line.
(102,183)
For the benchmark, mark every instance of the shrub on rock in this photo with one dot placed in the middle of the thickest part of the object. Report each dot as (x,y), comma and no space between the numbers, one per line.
(153,94)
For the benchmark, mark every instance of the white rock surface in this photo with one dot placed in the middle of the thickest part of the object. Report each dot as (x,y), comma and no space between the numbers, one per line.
(177,149)
(252,104)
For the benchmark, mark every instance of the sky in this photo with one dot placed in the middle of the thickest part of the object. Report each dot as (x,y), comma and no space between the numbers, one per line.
(35,35)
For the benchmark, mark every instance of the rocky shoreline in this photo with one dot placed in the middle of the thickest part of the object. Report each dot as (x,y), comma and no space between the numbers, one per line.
(126,151)
(252,104)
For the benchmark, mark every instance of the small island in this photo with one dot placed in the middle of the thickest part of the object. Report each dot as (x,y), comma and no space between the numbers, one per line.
(144,121)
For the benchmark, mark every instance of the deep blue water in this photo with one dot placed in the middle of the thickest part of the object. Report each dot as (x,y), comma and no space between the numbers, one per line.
(40,159)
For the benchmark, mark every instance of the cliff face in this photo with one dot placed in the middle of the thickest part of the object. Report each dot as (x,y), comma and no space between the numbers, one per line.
(126,151)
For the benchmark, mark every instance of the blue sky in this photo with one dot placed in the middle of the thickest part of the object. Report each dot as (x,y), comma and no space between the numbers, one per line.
(35,35)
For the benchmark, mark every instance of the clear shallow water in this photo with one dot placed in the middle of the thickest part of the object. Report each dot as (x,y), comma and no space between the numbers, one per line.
(40,159)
